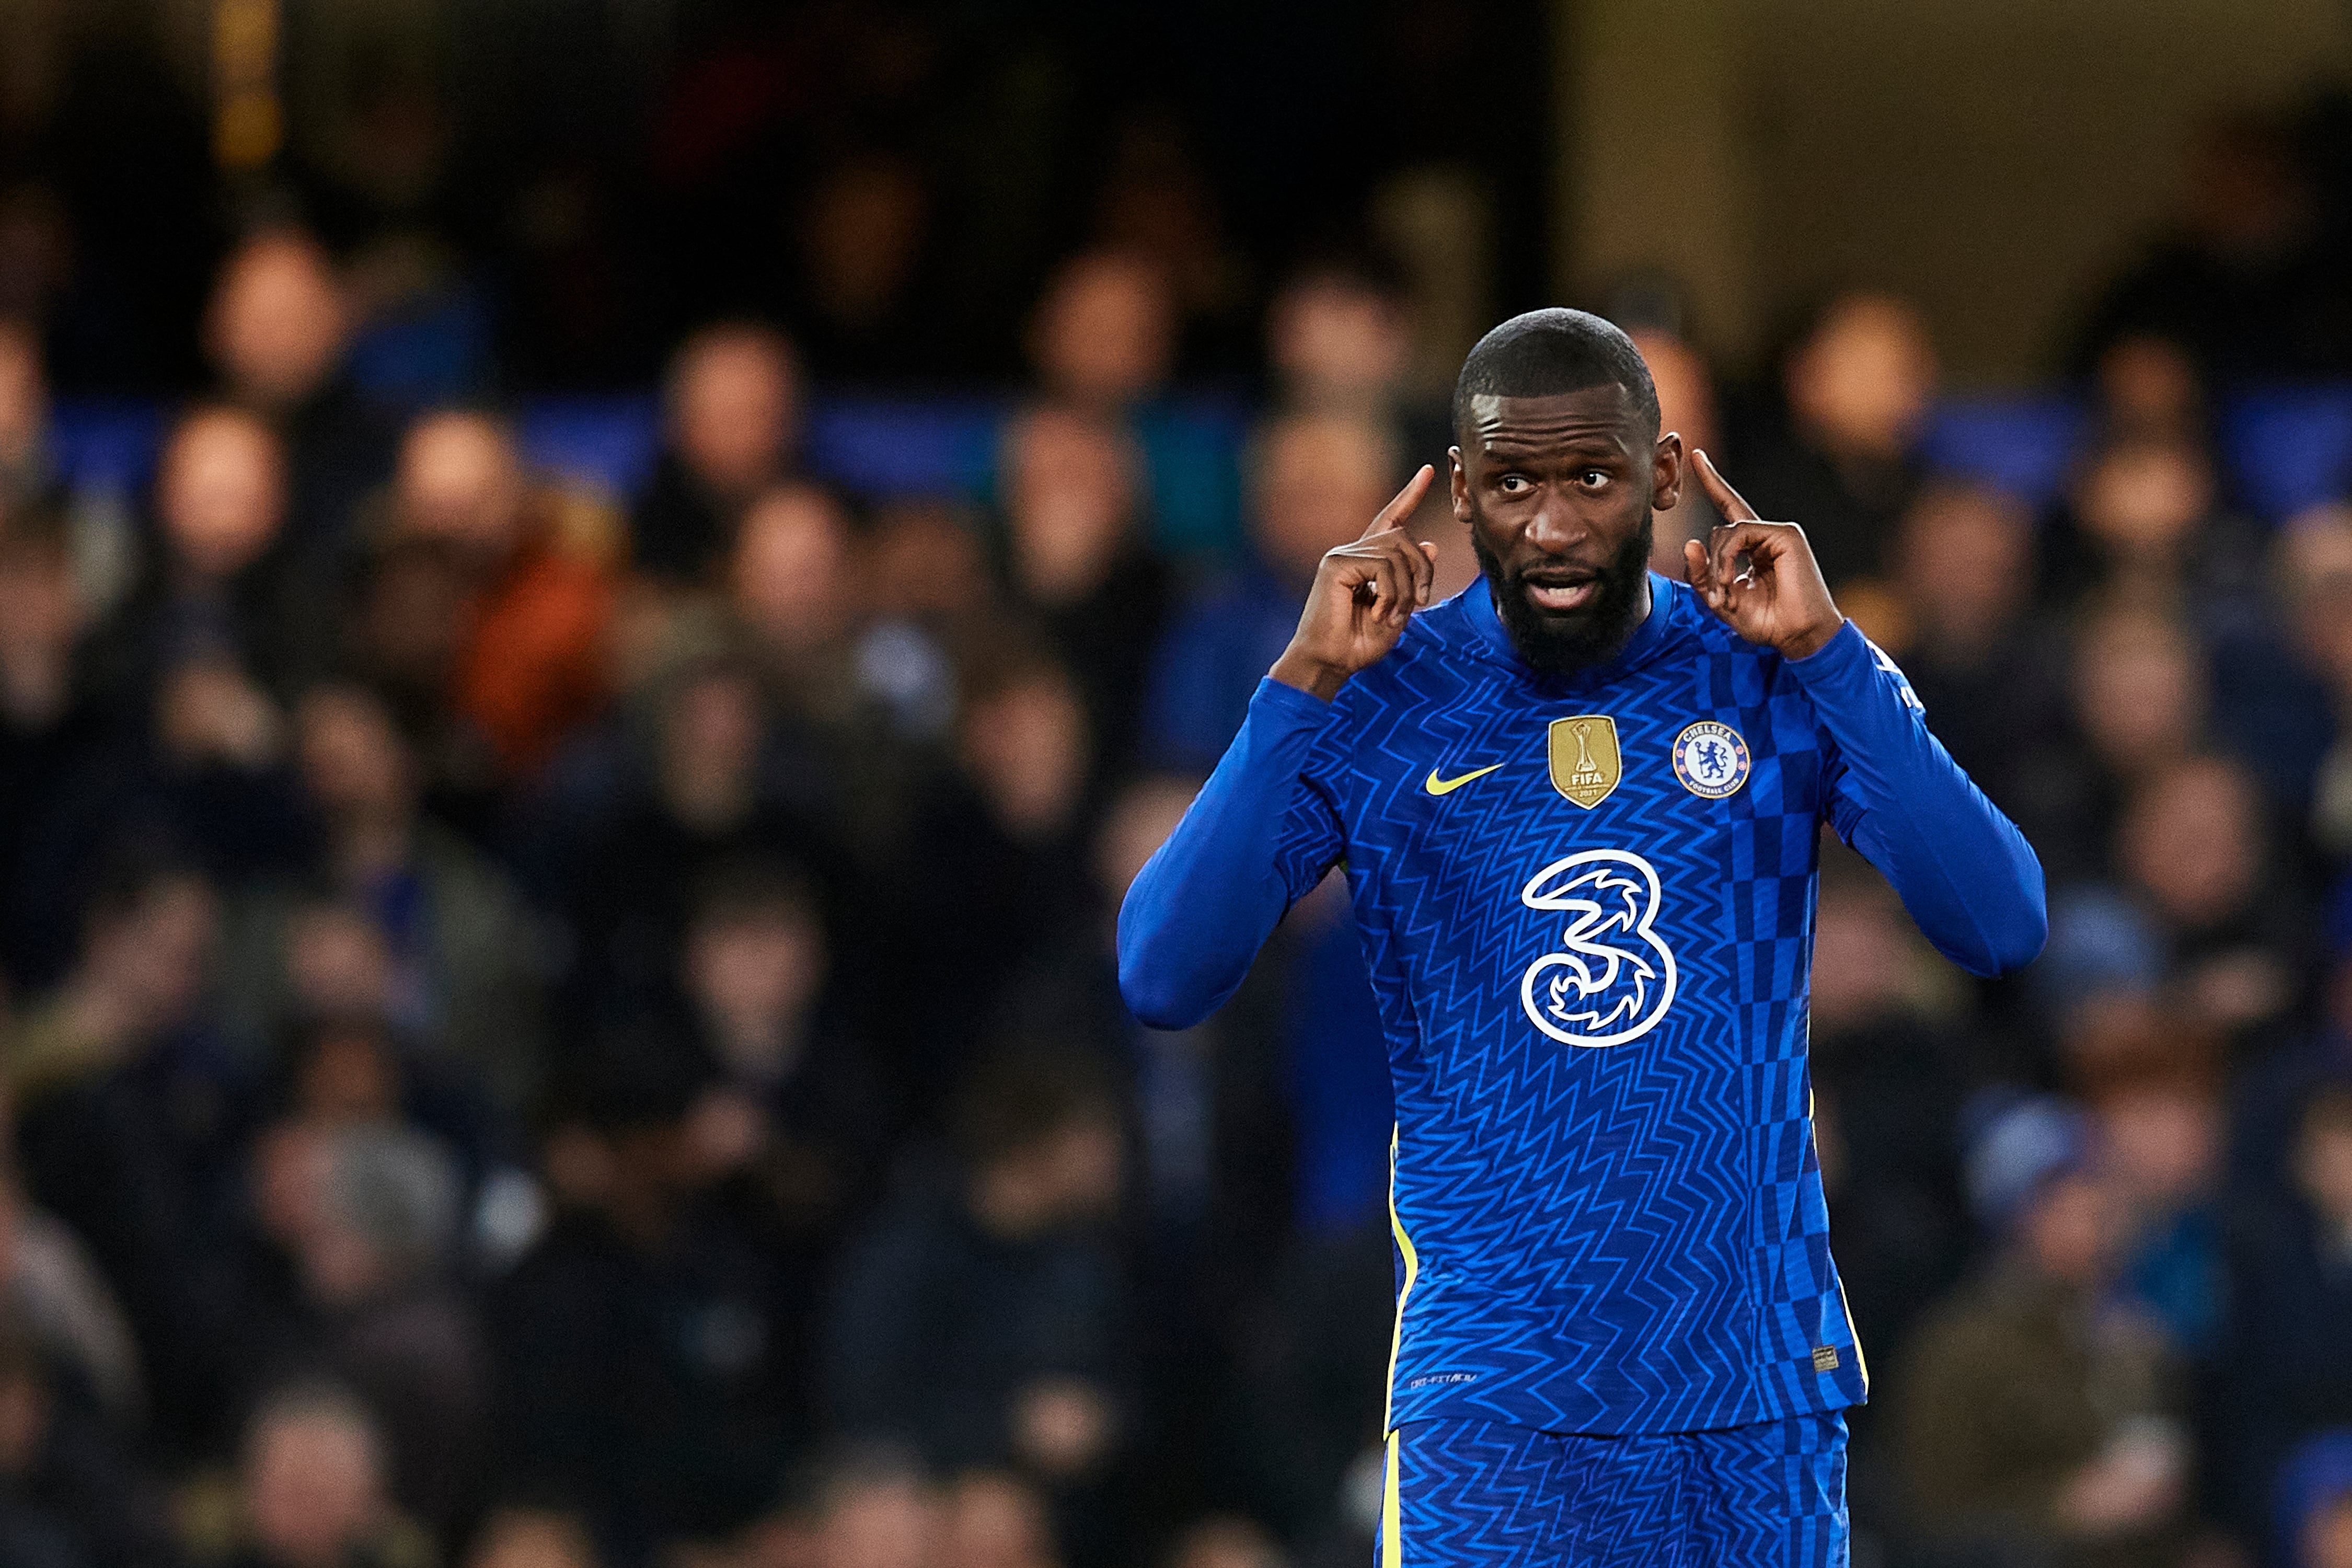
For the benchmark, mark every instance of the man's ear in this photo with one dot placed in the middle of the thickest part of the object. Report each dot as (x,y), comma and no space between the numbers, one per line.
(1458,484)
(1666,473)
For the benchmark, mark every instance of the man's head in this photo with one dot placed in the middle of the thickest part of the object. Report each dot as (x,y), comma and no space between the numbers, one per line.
(2144,492)
(220,491)
(1105,334)
(1315,480)
(2140,687)
(461,481)
(2191,839)
(312,1476)
(1558,464)
(754,961)
(1069,482)
(1339,334)
(735,407)
(1863,380)
(791,577)
(279,320)
(1964,562)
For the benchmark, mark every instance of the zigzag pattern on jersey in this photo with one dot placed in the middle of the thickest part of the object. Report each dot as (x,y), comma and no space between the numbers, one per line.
(1475,1494)
(1623,1238)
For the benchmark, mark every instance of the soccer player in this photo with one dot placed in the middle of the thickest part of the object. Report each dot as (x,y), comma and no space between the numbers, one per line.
(1577,804)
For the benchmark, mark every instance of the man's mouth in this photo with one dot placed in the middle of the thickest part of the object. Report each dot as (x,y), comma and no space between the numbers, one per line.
(1558,593)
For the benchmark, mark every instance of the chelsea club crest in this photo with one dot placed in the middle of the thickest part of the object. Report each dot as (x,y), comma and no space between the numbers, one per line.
(1711,760)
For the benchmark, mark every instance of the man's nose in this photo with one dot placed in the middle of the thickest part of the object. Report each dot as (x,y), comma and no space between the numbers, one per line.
(1556,525)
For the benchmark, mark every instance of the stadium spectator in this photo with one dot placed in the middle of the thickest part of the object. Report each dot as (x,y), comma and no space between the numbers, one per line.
(644,1366)
(1103,338)
(102,1076)
(998,855)
(1841,450)
(217,582)
(1339,341)
(981,1323)
(1078,560)
(711,800)
(2192,846)
(864,308)
(367,1216)
(795,1121)
(2143,526)
(1309,476)
(529,662)
(792,587)
(277,331)
(464,979)
(2161,1127)
(2037,1424)
(310,1491)
(2285,1368)
(1990,672)
(1103,342)
(2140,690)
(733,411)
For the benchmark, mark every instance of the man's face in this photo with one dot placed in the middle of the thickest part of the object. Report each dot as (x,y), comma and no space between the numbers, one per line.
(1557,492)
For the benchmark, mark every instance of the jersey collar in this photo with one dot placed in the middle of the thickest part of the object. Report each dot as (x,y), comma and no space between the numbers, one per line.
(1478,605)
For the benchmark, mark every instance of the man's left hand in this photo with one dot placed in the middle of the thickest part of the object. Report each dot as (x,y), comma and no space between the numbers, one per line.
(1779,600)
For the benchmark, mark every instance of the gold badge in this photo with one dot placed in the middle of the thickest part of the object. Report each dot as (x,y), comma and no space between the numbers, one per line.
(1585,764)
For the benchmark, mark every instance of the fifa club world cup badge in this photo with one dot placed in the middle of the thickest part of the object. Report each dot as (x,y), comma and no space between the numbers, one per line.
(1586,763)
(1711,760)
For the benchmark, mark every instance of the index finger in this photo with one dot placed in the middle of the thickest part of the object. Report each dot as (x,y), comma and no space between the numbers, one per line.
(1729,503)
(1393,514)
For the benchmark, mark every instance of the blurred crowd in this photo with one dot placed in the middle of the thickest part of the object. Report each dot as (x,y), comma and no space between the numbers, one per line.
(546,1029)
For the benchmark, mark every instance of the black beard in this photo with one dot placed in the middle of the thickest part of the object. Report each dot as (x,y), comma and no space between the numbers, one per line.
(1571,640)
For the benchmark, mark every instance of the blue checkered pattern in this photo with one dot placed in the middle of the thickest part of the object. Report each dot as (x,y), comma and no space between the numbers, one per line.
(1621,1239)
(1475,1494)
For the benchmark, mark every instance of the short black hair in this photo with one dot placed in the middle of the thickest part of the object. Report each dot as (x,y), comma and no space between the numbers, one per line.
(1545,353)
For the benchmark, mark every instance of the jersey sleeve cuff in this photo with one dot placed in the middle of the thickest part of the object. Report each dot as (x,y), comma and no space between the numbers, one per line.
(1281,701)
(1846,651)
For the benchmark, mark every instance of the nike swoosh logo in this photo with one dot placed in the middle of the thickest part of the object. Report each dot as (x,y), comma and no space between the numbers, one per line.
(1437,785)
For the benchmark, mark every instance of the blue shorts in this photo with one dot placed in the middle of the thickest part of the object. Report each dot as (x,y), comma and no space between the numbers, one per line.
(1479,1492)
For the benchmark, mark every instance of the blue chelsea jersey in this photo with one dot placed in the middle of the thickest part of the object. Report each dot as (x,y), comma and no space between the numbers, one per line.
(1586,902)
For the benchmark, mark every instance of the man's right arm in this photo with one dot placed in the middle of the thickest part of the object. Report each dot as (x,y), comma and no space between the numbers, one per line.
(1208,899)
(1259,834)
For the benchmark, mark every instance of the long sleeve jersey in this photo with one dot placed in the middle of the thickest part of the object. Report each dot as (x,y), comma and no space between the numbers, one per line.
(1587,902)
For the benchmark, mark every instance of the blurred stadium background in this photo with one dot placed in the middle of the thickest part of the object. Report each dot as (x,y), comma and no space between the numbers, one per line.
(598,599)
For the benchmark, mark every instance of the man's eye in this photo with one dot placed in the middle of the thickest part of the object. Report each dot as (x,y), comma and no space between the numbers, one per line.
(1594,478)
(1513,484)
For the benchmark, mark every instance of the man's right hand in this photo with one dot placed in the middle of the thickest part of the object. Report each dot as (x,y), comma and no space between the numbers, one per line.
(1364,594)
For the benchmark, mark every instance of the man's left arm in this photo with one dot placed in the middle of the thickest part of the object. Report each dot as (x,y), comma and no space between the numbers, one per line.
(1963,870)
